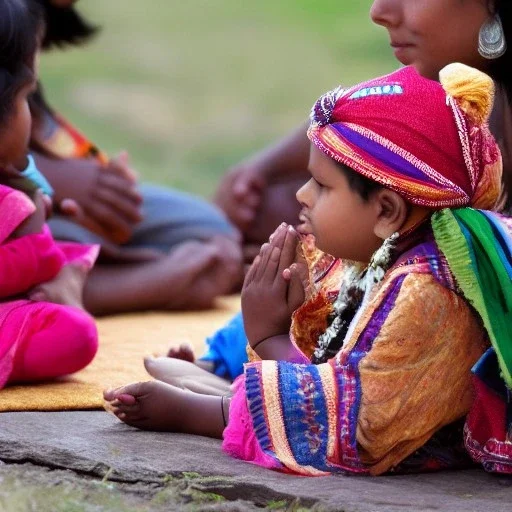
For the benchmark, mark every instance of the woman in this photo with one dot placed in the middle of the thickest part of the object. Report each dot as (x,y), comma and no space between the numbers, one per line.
(427,35)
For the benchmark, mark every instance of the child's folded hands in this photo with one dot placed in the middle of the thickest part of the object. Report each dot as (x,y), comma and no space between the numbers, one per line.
(272,290)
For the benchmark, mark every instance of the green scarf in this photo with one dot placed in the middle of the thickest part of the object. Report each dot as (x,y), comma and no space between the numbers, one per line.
(480,263)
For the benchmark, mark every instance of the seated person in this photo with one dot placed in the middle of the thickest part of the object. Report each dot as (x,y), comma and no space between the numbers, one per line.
(39,339)
(404,177)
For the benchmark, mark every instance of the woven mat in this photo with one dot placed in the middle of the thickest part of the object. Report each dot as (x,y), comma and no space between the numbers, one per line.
(124,341)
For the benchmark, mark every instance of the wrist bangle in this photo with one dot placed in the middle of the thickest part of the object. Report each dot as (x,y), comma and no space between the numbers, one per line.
(222,409)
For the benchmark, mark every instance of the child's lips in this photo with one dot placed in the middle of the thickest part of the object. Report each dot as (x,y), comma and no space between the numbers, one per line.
(304,226)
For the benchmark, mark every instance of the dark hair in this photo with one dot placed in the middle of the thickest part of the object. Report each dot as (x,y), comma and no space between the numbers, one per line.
(20,24)
(364,186)
(499,69)
(65,26)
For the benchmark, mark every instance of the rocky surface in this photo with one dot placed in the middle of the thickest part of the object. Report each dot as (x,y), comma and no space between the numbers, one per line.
(94,447)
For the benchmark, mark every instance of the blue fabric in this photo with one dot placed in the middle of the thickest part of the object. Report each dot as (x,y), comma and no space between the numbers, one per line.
(305,413)
(34,174)
(254,394)
(487,369)
(504,245)
(227,349)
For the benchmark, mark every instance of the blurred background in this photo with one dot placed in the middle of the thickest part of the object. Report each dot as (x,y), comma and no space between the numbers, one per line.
(191,87)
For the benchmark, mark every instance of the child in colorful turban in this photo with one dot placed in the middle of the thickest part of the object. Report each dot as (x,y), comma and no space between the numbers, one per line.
(398,167)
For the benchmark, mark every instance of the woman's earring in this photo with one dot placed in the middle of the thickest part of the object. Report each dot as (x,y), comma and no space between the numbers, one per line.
(491,39)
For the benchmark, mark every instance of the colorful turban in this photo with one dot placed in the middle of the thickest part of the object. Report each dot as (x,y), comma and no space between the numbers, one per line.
(426,140)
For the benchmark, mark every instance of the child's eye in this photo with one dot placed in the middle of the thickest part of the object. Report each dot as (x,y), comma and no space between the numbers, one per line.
(321,185)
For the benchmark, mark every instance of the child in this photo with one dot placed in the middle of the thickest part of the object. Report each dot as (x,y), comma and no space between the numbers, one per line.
(160,248)
(38,340)
(395,164)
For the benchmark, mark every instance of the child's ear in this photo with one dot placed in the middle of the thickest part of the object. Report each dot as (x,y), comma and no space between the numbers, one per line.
(392,212)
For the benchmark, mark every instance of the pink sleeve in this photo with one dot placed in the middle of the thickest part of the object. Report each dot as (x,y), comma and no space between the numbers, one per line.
(239,437)
(15,207)
(28,261)
(80,255)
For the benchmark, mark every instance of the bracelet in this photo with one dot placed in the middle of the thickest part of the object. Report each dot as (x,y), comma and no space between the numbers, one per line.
(222,409)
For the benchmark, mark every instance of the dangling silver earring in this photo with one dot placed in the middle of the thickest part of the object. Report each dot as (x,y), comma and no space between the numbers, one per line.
(491,39)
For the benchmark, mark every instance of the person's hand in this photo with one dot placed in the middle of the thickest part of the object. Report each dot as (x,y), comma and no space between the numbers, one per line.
(105,198)
(34,224)
(297,276)
(65,288)
(239,194)
(266,307)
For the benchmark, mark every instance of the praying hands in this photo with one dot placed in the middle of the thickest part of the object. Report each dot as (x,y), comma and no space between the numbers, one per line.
(273,290)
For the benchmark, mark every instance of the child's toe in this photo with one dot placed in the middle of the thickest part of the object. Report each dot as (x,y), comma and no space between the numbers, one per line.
(109,395)
(126,399)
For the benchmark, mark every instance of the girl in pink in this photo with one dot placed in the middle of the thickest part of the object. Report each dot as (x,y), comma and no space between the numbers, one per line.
(38,339)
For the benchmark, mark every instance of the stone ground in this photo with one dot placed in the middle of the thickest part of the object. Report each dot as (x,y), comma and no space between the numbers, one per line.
(103,465)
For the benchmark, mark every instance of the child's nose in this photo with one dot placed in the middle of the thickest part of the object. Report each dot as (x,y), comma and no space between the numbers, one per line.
(303,194)
(385,12)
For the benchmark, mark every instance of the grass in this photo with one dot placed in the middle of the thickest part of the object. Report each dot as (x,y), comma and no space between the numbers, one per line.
(190,88)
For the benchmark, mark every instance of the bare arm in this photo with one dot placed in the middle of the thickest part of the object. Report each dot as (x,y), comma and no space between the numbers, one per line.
(107,195)
(240,191)
(278,348)
(288,156)
(204,414)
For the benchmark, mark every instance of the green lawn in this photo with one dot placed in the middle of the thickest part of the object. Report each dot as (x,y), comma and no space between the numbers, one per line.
(191,87)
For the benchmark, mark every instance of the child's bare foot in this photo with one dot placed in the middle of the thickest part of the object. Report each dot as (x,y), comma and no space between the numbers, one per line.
(186,375)
(183,272)
(183,352)
(223,276)
(190,277)
(155,405)
(65,288)
(152,405)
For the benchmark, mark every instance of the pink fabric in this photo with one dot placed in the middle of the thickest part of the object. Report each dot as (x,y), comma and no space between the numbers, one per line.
(38,340)
(15,208)
(79,254)
(239,437)
(28,261)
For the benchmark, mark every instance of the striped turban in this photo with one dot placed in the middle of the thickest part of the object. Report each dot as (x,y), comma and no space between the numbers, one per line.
(426,140)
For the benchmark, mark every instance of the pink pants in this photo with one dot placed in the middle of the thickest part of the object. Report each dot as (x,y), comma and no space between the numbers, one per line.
(41,340)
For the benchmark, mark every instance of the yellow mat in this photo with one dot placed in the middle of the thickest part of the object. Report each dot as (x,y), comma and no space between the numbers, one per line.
(124,341)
